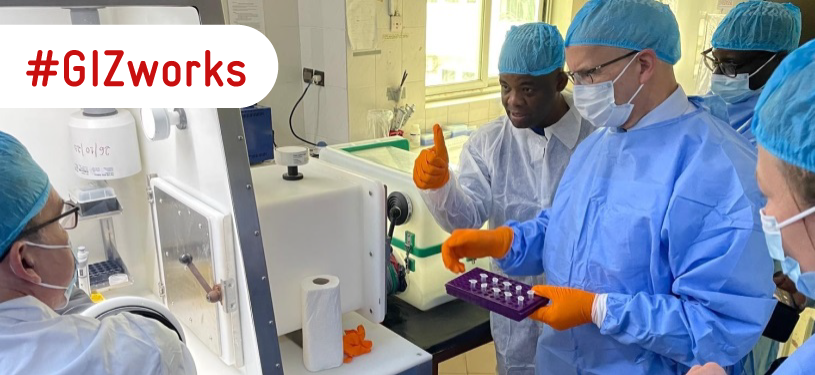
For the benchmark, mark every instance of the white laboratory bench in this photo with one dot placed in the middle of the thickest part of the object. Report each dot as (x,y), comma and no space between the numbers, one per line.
(391,353)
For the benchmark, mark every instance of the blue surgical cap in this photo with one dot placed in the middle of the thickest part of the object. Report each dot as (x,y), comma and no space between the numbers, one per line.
(24,189)
(629,24)
(533,49)
(784,123)
(760,26)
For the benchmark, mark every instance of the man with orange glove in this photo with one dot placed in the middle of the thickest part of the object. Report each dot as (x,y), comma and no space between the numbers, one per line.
(654,234)
(510,167)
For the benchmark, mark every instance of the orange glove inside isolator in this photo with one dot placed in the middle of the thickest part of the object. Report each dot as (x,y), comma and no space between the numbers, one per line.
(431,171)
(567,308)
(354,344)
(475,243)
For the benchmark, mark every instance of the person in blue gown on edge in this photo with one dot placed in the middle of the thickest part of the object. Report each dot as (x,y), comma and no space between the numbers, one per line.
(748,45)
(652,247)
(785,130)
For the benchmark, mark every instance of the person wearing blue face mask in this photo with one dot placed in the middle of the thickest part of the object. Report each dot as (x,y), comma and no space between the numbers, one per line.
(785,116)
(748,45)
(38,275)
(652,247)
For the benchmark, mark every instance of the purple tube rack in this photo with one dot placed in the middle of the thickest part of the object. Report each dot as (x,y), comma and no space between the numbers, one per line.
(460,287)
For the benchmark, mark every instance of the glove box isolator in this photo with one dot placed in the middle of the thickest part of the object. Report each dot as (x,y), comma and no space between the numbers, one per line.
(330,222)
(388,161)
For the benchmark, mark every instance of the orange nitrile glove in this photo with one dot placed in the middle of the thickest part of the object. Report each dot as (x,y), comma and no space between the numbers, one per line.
(430,171)
(475,243)
(354,344)
(567,308)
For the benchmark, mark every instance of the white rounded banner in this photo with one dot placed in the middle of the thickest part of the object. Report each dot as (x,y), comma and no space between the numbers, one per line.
(105,66)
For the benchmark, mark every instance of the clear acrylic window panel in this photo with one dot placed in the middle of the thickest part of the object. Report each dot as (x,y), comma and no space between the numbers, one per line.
(454,30)
(505,14)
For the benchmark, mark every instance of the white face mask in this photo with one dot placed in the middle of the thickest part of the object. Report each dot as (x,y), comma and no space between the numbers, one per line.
(734,90)
(68,289)
(596,102)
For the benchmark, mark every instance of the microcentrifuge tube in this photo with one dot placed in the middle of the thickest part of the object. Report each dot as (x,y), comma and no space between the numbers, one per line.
(483,287)
(520,300)
(496,291)
(494,281)
(531,294)
(518,289)
(483,277)
(507,285)
(508,296)
(473,282)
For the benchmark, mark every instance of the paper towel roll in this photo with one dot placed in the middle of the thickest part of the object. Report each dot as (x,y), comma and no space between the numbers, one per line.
(322,322)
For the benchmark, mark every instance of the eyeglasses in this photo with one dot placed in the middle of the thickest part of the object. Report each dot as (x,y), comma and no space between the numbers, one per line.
(587,76)
(728,69)
(68,219)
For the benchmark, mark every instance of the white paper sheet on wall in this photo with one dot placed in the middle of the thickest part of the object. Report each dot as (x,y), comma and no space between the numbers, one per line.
(247,13)
(360,17)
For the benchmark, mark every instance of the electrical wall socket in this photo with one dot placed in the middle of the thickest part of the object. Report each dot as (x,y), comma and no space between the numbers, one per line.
(308,75)
(321,74)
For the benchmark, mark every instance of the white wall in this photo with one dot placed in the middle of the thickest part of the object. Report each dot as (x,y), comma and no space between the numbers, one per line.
(322,42)
(283,30)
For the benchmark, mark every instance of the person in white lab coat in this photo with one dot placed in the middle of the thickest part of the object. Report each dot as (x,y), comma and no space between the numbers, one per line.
(38,274)
(510,167)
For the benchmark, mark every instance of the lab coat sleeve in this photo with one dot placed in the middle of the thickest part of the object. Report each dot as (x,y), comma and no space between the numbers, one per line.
(721,289)
(173,357)
(465,201)
(525,256)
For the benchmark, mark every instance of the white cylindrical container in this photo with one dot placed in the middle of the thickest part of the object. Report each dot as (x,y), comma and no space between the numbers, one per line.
(105,146)
(82,269)
(322,323)
(415,137)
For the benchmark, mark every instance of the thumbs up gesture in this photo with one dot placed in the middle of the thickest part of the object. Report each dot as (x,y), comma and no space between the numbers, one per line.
(431,168)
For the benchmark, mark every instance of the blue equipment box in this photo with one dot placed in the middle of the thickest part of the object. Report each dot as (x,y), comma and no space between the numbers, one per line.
(257,125)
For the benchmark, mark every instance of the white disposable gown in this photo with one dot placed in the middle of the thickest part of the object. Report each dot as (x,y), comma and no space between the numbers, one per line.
(35,340)
(507,173)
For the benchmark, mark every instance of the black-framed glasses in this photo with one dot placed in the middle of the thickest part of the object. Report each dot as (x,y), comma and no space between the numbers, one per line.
(729,69)
(586,77)
(68,219)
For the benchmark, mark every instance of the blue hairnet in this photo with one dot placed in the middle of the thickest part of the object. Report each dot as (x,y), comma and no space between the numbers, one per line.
(533,48)
(24,189)
(760,26)
(784,123)
(629,24)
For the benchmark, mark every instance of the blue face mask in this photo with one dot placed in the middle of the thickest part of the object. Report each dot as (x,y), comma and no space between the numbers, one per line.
(734,89)
(68,289)
(804,282)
